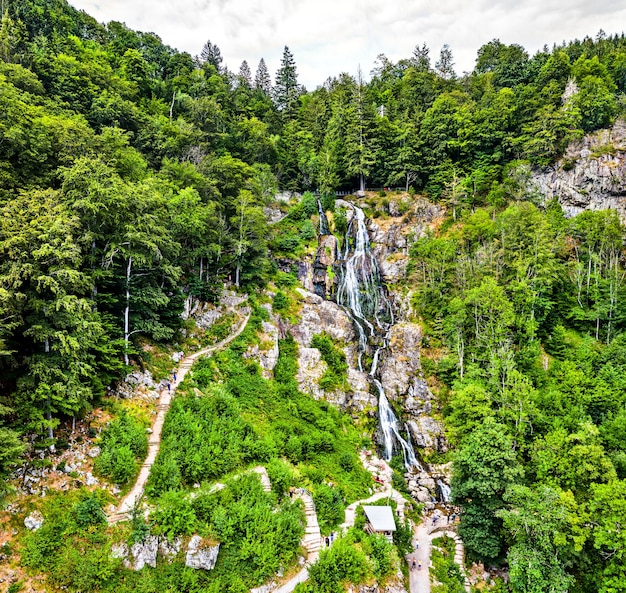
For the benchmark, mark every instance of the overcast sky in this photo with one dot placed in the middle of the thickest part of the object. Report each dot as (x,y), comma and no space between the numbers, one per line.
(328,37)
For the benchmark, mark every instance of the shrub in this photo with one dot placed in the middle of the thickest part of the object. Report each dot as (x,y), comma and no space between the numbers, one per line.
(330,507)
(280,302)
(123,442)
(174,515)
(89,512)
(280,475)
(307,232)
(336,375)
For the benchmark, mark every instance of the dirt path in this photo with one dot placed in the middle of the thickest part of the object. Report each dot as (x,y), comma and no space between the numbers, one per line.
(132,498)
(423,535)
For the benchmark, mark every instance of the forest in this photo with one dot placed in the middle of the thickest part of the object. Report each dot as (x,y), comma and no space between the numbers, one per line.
(135,178)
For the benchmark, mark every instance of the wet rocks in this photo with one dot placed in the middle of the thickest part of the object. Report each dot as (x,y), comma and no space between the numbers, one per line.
(323,276)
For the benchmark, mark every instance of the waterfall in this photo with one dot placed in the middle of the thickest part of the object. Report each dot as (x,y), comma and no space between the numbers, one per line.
(389,426)
(360,293)
(324,226)
(445,490)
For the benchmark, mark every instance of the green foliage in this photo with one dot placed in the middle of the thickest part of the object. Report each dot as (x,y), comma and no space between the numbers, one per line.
(336,375)
(445,571)
(329,506)
(280,302)
(339,564)
(174,515)
(89,512)
(124,442)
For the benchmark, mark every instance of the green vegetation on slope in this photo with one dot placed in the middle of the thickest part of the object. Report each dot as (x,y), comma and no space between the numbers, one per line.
(530,308)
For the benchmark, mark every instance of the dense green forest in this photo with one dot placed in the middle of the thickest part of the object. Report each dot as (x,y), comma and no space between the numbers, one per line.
(134,177)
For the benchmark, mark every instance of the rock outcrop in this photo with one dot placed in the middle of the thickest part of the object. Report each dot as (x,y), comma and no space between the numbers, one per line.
(201,556)
(144,553)
(266,352)
(591,175)
(392,238)
(34,521)
(323,277)
(318,316)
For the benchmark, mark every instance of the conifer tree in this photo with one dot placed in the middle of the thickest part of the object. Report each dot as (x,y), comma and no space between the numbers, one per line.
(445,64)
(262,80)
(245,75)
(421,57)
(286,88)
(211,54)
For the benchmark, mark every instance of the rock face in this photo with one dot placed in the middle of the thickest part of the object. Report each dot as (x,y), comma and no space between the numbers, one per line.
(323,279)
(145,553)
(392,238)
(401,363)
(319,315)
(200,556)
(267,351)
(591,175)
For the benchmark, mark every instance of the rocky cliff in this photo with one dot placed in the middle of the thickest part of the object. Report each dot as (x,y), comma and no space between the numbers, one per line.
(591,175)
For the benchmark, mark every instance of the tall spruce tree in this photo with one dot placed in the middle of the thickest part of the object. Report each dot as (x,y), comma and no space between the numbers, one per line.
(262,79)
(245,75)
(286,88)
(211,54)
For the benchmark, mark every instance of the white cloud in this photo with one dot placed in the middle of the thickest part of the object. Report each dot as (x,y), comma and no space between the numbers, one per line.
(327,37)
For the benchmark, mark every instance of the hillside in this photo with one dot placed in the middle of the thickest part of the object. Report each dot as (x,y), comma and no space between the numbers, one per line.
(450,342)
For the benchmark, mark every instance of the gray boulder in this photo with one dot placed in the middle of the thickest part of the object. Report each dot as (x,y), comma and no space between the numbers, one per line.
(200,556)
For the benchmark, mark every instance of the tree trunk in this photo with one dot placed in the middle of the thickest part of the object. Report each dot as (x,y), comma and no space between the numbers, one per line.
(127,310)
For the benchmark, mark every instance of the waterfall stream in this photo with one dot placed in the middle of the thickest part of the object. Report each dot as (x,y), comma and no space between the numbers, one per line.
(444,489)
(360,293)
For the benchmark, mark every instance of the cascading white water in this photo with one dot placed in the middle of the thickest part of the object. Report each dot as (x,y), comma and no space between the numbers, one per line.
(360,292)
(324,226)
(445,490)
(389,426)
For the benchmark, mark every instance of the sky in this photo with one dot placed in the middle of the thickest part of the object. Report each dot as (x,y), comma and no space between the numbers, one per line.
(327,37)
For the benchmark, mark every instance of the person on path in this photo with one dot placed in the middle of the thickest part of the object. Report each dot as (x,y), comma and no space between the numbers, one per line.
(169,386)
(174,375)
(419,565)
(413,564)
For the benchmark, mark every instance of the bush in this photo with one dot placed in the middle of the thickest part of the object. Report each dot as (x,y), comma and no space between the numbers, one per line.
(336,375)
(280,302)
(89,512)
(174,515)
(307,232)
(280,475)
(342,563)
(330,507)
(123,442)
